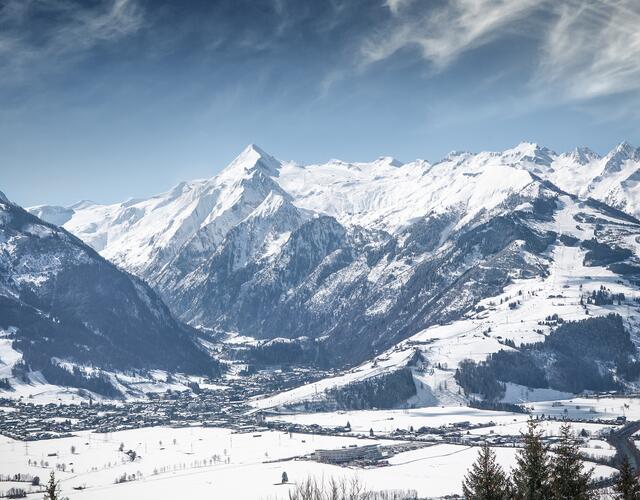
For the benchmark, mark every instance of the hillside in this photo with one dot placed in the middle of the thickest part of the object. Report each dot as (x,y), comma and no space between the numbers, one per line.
(63,307)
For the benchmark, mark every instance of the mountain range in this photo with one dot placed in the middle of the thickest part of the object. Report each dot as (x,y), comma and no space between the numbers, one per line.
(356,257)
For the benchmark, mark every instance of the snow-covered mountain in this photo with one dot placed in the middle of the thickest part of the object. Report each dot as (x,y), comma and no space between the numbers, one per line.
(63,305)
(586,271)
(365,255)
(143,235)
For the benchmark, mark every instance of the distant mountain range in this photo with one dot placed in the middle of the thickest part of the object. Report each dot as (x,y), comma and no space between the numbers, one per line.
(363,255)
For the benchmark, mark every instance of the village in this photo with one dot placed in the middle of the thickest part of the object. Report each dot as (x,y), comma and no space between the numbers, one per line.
(225,405)
(210,431)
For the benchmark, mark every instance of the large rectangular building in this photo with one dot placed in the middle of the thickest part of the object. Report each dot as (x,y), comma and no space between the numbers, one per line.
(348,454)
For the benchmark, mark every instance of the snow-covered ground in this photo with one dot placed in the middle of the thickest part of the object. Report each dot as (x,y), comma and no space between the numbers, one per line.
(181,458)
(605,408)
(387,421)
(494,423)
(444,466)
(216,463)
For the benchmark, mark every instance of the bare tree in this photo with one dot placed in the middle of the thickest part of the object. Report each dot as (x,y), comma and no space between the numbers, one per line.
(343,489)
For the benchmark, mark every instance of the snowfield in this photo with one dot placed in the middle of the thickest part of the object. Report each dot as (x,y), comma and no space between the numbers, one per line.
(203,461)
(211,463)
(386,421)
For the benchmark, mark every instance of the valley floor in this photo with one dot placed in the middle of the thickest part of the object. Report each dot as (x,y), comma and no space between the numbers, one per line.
(205,462)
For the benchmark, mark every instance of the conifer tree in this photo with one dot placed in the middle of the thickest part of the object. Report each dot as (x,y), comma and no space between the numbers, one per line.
(531,476)
(52,490)
(627,486)
(486,480)
(568,479)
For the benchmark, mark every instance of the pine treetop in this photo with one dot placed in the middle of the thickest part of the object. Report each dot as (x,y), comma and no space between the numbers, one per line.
(531,474)
(486,480)
(569,480)
(627,486)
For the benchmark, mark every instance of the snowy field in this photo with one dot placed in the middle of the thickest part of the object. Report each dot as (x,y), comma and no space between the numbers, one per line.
(205,463)
(605,408)
(218,463)
(386,421)
(202,461)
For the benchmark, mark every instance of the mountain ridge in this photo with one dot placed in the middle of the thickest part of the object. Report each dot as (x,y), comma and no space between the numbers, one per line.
(362,254)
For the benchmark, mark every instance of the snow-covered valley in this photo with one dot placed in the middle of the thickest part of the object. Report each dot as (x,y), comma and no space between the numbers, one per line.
(252,315)
(248,465)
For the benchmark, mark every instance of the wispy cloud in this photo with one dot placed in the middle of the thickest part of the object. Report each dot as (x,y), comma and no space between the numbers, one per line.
(587,48)
(593,48)
(37,35)
(443,33)
(579,49)
(396,5)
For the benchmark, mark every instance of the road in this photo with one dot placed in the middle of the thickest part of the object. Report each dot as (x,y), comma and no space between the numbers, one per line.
(621,440)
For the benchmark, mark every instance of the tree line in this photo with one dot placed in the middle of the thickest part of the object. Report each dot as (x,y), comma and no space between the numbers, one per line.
(576,356)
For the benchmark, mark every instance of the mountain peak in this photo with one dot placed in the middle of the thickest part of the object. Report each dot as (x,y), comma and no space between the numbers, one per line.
(3,198)
(529,151)
(524,147)
(388,161)
(618,155)
(455,154)
(583,155)
(254,148)
(253,158)
(625,148)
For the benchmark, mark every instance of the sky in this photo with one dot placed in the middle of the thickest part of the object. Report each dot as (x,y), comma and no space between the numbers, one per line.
(112,99)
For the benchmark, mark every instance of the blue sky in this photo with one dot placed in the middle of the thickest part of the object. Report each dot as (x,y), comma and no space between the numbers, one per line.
(111,99)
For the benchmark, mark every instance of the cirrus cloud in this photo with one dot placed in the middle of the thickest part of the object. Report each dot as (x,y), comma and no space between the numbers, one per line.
(586,48)
(35,35)
(593,48)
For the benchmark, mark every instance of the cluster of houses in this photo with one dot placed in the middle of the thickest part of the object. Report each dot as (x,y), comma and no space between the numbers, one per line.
(27,421)
(23,419)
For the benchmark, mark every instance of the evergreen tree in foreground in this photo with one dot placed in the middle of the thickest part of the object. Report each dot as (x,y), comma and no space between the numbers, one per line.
(531,475)
(486,480)
(568,480)
(627,487)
